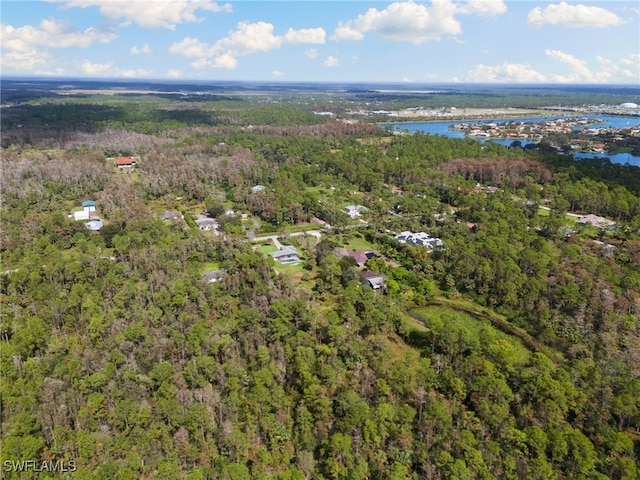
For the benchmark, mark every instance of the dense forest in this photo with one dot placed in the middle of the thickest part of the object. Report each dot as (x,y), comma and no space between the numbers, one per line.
(513,351)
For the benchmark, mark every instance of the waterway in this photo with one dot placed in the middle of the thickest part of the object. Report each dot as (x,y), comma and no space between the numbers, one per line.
(608,121)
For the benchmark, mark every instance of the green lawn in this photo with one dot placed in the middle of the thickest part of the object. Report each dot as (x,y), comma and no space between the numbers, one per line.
(359,243)
(266,248)
(210,266)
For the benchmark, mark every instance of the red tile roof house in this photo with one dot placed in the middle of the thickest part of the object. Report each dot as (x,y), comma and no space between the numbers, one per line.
(126,162)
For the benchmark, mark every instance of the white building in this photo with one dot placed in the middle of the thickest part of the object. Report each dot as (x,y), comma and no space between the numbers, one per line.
(354,211)
(421,239)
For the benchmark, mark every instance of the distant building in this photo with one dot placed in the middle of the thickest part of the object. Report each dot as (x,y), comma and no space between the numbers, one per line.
(89,206)
(373,279)
(171,215)
(597,221)
(214,275)
(206,223)
(420,239)
(88,212)
(354,211)
(126,162)
(360,256)
(286,254)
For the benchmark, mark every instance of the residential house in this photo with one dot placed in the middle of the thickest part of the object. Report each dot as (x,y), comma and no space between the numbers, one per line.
(597,221)
(88,211)
(373,279)
(419,239)
(206,223)
(171,215)
(360,256)
(126,162)
(214,275)
(286,254)
(354,211)
(89,206)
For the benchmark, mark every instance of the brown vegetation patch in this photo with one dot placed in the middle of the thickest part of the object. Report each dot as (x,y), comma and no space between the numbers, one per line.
(498,169)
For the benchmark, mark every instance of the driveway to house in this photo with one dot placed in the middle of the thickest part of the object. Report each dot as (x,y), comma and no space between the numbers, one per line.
(276,242)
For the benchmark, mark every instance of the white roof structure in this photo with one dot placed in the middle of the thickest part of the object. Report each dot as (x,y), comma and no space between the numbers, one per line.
(354,210)
(420,238)
(94,225)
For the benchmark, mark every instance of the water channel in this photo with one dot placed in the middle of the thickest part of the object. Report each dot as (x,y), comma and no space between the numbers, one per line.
(608,121)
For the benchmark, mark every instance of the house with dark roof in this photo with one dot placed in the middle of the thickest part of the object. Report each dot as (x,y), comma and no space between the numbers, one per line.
(360,256)
(214,275)
(206,223)
(286,254)
(171,215)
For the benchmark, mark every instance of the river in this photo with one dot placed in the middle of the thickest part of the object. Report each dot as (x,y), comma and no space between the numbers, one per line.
(608,121)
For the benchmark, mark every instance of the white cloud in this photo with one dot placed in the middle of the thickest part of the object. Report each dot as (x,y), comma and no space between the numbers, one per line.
(224,61)
(507,72)
(24,60)
(161,13)
(277,73)
(144,50)
(305,35)
(565,15)
(577,66)
(346,32)
(485,8)
(577,71)
(108,70)
(406,80)
(173,73)
(191,47)
(311,53)
(405,21)
(415,22)
(134,73)
(50,33)
(627,69)
(248,38)
(96,69)
(23,48)
(331,61)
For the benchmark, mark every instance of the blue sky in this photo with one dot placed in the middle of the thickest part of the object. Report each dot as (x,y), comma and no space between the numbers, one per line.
(436,41)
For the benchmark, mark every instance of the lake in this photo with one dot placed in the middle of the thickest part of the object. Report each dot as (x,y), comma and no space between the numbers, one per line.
(608,121)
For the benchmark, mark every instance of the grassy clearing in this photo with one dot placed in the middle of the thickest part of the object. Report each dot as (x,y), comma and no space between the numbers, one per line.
(358,242)
(210,266)
(266,248)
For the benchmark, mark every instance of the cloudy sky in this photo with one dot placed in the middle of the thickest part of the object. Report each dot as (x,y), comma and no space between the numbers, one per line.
(436,41)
